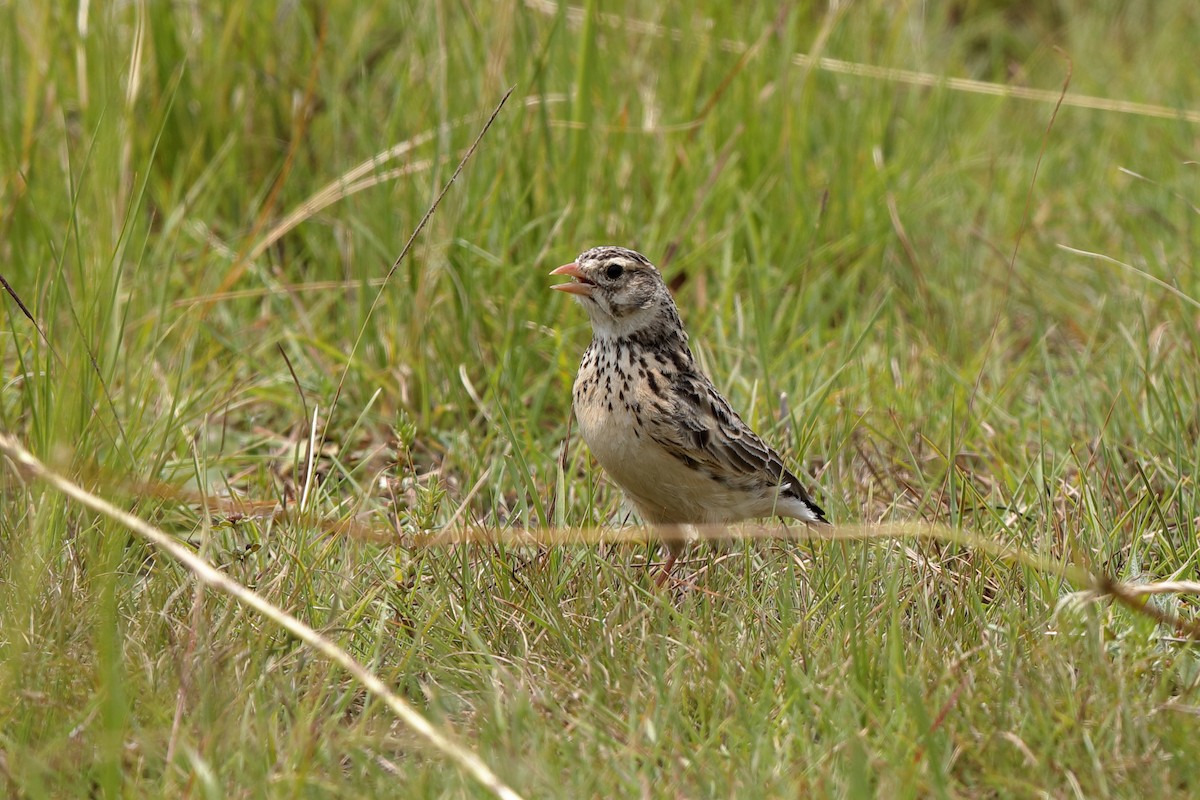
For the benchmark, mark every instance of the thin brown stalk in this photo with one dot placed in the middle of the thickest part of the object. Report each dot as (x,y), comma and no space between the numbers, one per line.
(907,77)
(407,247)
(207,574)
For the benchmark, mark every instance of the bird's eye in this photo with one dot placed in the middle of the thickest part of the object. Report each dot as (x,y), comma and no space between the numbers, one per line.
(614,271)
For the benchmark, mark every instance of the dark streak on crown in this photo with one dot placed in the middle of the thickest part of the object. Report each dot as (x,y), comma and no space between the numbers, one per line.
(607,252)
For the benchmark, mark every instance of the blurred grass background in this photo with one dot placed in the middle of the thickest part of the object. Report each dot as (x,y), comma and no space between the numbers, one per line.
(181,215)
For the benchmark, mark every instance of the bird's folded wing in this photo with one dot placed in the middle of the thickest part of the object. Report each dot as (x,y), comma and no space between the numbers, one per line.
(701,430)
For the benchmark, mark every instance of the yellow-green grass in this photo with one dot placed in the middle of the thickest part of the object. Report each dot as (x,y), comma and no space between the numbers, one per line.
(181,215)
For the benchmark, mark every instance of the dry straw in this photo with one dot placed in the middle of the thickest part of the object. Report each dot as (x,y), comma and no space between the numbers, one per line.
(207,574)
(576,16)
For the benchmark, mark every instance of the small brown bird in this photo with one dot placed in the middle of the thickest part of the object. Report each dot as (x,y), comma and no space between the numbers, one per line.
(654,421)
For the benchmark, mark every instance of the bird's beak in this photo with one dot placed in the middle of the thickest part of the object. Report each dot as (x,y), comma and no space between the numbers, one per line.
(580,286)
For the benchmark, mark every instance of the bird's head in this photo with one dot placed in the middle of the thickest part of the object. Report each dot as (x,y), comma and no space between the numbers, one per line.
(620,289)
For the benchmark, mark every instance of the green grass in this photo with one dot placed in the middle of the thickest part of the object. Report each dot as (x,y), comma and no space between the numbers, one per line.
(1048,403)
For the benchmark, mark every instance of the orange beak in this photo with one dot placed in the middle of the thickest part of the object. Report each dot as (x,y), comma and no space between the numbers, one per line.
(580,286)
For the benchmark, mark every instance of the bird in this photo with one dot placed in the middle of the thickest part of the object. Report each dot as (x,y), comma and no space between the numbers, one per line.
(653,419)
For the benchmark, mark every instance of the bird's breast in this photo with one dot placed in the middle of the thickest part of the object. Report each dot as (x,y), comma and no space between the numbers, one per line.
(612,399)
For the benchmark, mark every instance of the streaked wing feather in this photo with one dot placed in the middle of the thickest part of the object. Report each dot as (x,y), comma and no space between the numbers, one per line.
(701,429)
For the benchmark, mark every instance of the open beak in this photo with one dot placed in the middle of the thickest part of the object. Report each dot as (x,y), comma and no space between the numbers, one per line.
(580,286)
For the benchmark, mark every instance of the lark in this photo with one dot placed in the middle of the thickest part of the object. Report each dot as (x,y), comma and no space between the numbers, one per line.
(655,422)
